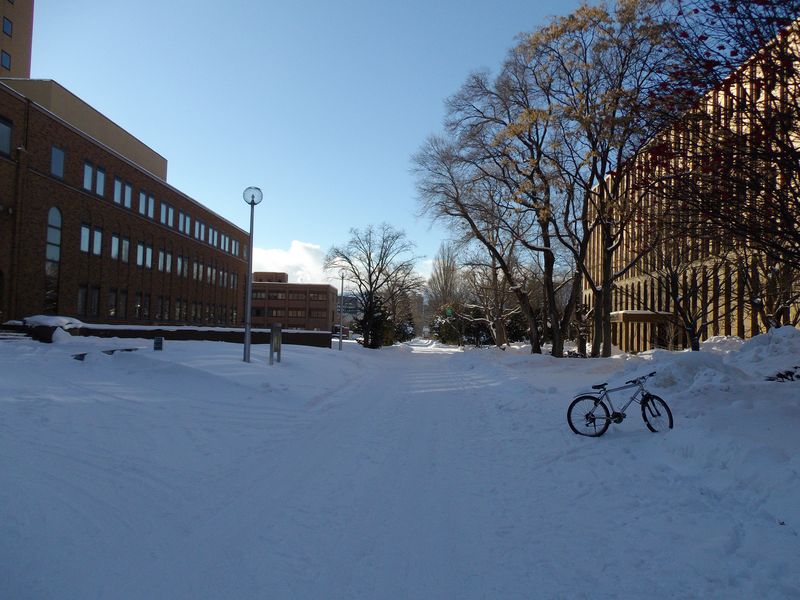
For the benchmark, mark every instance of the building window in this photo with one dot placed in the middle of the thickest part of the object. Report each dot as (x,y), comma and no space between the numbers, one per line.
(274,312)
(139,254)
(5,60)
(297,295)
(114,246)
(137,306)
(128,198)
(8,26)
(122,304)
(148,257)
(316,296)
(168,262)
(83,292)
(88,172)
(167,214)
(94,301)
(53,252)
(57,162)
(184,223)
(5,137)
(147,204)
(52,260)
(111,305)
(160,261)
(126,248)
(85,236)
(100,182)
(97,245)
(296,313)
(273,295)
(117,190)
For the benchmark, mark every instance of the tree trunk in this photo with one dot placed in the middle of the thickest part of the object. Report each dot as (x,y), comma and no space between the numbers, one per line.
(499,330)
(597,323)
(606,284)
(551,310)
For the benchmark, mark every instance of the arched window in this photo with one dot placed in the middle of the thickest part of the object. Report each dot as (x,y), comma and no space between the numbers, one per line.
(52,260)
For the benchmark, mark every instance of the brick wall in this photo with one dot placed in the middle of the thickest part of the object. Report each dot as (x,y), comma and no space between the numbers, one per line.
(30,190)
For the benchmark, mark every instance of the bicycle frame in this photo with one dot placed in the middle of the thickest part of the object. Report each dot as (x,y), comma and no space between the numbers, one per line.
(635,397)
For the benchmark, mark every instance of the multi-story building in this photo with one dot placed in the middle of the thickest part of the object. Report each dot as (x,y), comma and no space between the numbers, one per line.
(87,231)
(89,226)
(15,41)
(686,272)
(294,305)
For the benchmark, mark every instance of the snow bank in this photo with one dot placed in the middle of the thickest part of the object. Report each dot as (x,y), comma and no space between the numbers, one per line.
(53,321)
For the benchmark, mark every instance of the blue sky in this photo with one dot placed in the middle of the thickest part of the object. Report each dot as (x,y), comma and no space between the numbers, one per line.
(320,104)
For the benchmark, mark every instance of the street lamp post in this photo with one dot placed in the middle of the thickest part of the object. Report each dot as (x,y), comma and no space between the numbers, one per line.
(341,308)
(252,196)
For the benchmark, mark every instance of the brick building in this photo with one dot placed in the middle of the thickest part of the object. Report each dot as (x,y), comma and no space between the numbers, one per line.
(293,305)
(88,229)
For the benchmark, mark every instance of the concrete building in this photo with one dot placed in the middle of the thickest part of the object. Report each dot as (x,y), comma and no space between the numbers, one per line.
(294,305)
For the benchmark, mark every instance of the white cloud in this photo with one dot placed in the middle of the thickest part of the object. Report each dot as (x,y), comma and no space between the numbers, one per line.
(302,261)
(424,267)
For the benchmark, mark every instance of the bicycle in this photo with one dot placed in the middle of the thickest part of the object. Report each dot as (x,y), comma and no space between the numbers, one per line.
(588,414)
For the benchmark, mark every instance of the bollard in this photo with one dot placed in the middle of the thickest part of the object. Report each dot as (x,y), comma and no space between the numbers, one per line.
(275,342)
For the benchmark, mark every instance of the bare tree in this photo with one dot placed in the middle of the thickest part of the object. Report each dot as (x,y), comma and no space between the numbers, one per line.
(600,66)
(731,158)
(691,290)
(450,188)
(379,263)
(444,284)
(491,295)
(772,287)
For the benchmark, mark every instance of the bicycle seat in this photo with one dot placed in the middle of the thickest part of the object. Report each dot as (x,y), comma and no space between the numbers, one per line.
(600,386)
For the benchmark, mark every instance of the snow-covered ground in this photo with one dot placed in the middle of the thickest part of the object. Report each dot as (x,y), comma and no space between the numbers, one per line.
(417,471)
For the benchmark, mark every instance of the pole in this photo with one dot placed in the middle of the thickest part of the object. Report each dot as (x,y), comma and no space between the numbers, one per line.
(341,310)
(249,299)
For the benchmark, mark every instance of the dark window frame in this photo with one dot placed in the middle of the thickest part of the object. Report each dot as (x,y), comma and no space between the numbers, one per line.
(7,124)
(62,153)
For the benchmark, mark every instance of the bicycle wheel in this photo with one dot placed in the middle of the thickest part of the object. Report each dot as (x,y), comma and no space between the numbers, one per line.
(588,415)
(656,414)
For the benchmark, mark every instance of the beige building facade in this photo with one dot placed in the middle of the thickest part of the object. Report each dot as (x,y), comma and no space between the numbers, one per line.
(16,38)
(684,265)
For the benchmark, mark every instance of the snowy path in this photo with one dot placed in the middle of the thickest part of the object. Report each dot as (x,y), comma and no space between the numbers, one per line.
(414,472)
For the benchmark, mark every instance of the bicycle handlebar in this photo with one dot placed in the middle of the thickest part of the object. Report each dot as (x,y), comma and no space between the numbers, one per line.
(642,378)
